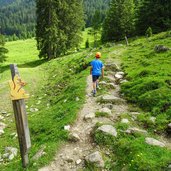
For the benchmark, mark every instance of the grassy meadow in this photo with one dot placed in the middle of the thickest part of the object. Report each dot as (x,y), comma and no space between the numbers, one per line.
(57,92)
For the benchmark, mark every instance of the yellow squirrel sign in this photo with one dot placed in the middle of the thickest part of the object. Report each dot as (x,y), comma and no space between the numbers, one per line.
(16,88)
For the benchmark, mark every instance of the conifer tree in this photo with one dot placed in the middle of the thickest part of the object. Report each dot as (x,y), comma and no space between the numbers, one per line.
(155,14)
(59,24)
(3,50)
(119,21)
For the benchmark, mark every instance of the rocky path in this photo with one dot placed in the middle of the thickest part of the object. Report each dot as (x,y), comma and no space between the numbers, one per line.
(72,156)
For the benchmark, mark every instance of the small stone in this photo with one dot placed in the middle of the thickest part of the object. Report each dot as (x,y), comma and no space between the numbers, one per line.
(69,160)
(11,157)
(38,102)
(74,137)
(95,158)
(89,116)
(153,119)
(78,161)
(4,112)
(11,150)
(77,99)
(6,155)
(1,117)
(169,167)
(135,130)
(65,100)
(108,129)
(124,121)
(152,141)
(40,153)
(67,127)
(106,110)
(1,132)
(169,125)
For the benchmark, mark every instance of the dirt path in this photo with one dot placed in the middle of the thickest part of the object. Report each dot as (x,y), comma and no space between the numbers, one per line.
(71,156)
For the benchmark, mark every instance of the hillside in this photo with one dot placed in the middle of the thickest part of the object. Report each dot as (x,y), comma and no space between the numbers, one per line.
(57,90)
(18,16)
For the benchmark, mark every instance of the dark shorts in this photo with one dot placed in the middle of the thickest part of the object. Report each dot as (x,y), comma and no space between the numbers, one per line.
(95,77)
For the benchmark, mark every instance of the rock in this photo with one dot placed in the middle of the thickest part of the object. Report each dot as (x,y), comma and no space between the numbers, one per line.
(1,132)
(106,110)
(169,167)
(68,159)
(153,119)
(152,141)
(74,137)
(95,158)
(124,120)
(3,112)
(1,117)
(78,161)
(34,110)
(119,75)
(2,125)
(135,130)
(11,150)
(77,99)
(89,116)
(67,127)
(108,129)
(5,156)
(123,81)
(161,48)
(110,99)
(11,157)
(112,66)
(169,125)
(109,106)
(39,154)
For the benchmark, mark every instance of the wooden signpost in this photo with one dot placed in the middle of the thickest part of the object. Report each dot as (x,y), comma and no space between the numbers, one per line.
(17,96)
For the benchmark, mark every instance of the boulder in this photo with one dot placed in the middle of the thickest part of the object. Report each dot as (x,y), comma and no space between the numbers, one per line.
(135,130)
(105,110)
(74,137)
(110,99)
(108,129)
(89,116)
(161,48)
(154,142)
(96,159)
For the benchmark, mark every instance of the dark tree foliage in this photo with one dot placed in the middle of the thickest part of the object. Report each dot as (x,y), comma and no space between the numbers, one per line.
(59,24)
(17,17)
(3,50)
(91,6)
(119,21)
(155,14)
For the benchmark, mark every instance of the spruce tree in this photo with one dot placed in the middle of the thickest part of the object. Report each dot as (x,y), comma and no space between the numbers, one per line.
(3,50)
(119,21)
(59,24)
(155,14)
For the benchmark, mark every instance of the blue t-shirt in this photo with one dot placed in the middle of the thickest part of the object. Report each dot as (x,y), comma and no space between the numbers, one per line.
(97,66)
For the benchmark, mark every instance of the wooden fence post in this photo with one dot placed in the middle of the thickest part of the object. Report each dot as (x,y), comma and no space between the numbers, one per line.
(20,115)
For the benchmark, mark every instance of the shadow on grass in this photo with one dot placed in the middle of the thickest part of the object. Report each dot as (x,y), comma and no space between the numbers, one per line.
(31,64)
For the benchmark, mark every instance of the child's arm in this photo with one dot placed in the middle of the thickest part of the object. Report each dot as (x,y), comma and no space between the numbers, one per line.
(102,72)
(91,70)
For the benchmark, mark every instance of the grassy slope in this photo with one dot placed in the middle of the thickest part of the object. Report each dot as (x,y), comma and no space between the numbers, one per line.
(148,75)
(53,87)
(57,83)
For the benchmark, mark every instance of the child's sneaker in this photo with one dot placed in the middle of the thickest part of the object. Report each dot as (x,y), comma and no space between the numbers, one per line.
(94,93)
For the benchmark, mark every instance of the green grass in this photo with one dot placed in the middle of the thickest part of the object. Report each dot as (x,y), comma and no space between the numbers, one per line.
(148,75)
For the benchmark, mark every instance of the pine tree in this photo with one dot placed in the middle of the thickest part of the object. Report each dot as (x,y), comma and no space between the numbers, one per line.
(3,50)
(155,14)
(58,27)
(119,21)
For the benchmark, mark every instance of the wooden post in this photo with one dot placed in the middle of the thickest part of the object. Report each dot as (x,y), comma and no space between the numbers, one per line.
(126,39)
(21,122)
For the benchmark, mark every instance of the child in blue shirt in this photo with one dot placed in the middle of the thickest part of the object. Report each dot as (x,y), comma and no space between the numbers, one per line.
(96,70)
